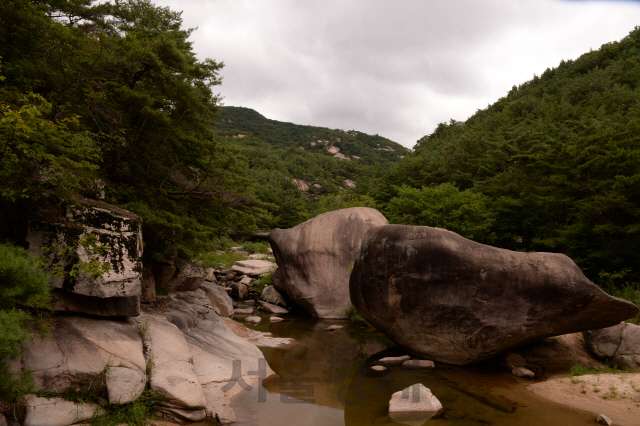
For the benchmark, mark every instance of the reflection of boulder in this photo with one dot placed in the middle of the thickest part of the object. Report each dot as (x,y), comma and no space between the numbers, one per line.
(453,300)
(315,259)
(323,362)
(115,293)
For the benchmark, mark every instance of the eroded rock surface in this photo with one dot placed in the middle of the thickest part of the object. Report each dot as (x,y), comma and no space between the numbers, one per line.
(315,258)
(620,343)
(116,293)
(79,349)
(446,298)
(56,411)
(219,298)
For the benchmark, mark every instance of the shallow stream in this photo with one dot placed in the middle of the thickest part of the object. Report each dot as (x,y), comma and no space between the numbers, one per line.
(323,379)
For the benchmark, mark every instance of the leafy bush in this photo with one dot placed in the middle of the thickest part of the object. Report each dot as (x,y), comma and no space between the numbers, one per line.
(134,413)
(355,318)
(444,206)
(22,284)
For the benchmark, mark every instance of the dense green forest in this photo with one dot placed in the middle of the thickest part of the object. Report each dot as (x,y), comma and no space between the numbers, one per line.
(284,158)
(552,166)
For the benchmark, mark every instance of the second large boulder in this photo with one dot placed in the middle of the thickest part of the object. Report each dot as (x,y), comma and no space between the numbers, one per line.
(450,299)
(315,258)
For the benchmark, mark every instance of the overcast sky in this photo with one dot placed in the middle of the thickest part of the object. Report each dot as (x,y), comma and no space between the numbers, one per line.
(396,68)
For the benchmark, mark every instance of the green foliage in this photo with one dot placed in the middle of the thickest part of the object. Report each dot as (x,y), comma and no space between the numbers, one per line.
(443,206)
(135,413)
(617,284)
(90,245)
(22,281)
(581,370)
(220,260)
(13,388)
(22,285)
(344,200)
(263,281)
(355,319)
(279,168)
(257,247)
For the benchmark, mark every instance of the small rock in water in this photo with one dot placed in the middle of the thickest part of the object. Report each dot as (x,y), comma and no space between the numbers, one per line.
(414,405)
(604,420)
(275,319)
(249,302)
(379,368)
(334,327)
(418,363)
(243,311)
(394,360)
(253,320)
(522,372)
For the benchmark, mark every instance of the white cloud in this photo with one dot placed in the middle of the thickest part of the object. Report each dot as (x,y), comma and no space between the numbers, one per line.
(393,68)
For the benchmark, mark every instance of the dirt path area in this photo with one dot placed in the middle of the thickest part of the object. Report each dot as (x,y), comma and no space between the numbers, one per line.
(614,395)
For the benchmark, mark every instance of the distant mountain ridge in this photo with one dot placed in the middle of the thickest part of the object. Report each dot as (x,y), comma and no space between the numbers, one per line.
(366,149)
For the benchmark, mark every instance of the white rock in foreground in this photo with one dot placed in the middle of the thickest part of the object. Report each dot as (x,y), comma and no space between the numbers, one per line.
(56,411)
(413,405)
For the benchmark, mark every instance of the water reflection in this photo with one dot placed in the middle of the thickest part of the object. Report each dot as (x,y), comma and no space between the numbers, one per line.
(324,378)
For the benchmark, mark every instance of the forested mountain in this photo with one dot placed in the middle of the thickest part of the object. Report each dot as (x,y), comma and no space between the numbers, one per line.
(300,171)
(552,166)
(366,149)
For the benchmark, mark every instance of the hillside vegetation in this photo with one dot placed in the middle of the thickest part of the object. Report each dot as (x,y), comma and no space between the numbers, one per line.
(552,166)
(299,171)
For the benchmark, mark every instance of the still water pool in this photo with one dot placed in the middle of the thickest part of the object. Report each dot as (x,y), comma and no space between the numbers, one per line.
(323,379)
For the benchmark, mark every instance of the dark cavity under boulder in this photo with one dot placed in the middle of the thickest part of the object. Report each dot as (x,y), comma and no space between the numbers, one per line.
(315,259)
(450,299)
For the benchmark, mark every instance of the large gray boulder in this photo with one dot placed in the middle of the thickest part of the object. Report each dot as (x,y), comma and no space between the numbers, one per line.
(315,258)
(116,293)
(449,299)
(620,344)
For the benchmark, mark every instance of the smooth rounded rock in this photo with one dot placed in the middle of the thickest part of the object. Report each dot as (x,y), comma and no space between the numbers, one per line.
(315,259)
(444,297)
(522,372)
(253,320)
